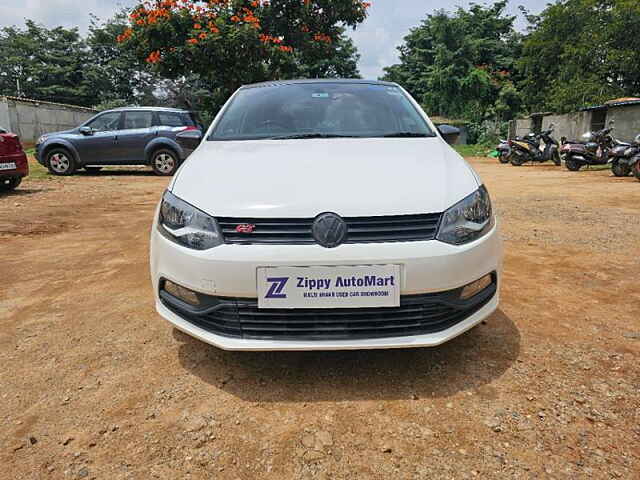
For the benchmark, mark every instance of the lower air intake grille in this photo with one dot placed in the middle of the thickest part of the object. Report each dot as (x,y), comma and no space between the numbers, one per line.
(416,315)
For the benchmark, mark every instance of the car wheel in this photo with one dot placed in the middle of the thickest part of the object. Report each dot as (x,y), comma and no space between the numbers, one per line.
(164,162)
(572,165)
(61,162)
(92,169)
(504,158)
(620,170)
(11,183)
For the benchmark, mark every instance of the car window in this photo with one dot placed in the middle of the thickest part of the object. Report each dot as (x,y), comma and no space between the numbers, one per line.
(171,119)
(341,109)
(106,122)
(133,120)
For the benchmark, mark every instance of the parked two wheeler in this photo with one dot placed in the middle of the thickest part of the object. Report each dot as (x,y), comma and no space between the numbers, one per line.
(529,148)
(595,149)
(622,157)
(504,151)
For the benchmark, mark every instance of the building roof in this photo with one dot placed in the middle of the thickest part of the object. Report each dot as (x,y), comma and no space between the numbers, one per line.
(41,102)
(618,102)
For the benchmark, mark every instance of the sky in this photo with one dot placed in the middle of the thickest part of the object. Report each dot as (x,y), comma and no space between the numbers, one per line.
(377,38)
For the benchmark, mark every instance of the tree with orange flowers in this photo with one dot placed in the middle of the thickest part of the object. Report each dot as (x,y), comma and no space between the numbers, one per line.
(228,43)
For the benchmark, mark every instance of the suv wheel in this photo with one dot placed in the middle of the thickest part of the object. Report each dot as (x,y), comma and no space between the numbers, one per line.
(8,184)
(61,162)
(164,162)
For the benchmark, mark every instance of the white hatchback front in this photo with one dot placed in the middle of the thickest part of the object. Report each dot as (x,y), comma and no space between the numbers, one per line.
(325,215)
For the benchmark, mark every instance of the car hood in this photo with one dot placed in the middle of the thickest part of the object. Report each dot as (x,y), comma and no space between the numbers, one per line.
(54,134)
(303,178)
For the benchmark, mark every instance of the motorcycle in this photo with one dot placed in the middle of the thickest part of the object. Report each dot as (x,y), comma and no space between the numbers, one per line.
(622,157)
(595,149)
(504,151)
(529,149)
(630,162)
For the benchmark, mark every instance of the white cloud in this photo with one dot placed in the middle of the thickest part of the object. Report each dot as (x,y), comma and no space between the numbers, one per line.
(52,13)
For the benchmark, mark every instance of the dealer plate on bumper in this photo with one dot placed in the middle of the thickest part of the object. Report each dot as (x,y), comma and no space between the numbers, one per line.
(329,287)
(8,166)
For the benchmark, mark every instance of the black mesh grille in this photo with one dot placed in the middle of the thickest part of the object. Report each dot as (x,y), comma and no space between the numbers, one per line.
(297,231)
(416,315)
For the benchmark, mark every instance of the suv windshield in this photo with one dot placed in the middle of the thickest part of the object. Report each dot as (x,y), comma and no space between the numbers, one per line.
(320,110)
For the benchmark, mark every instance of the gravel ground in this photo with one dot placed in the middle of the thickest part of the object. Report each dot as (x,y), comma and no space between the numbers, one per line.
(95,385)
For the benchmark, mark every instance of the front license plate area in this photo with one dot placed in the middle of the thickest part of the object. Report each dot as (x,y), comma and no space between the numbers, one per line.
(358,286)
(8,166)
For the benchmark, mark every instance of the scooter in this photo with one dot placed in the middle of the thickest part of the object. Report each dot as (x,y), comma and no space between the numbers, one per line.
(504,151)
(529,149)
(595,149)
(622,157)
(629,162)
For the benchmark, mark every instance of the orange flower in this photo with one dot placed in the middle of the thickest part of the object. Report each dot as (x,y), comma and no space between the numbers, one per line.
(254,4)
(202,36)
(197,26)
(235,18)
(154,57)
(192,41)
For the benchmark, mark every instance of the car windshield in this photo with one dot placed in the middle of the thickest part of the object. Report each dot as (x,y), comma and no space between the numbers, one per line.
(320,110)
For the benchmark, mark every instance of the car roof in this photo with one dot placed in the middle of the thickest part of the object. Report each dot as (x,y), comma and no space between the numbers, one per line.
(147,109)
(274,83)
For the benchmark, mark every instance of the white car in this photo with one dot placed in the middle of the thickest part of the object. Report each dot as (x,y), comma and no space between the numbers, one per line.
(324,215)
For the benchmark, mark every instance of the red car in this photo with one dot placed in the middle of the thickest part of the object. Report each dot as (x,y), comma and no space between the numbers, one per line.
(13,161)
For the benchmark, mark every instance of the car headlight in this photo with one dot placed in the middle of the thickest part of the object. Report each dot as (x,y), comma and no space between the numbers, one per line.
(468,219)
(186,225)
(41,139)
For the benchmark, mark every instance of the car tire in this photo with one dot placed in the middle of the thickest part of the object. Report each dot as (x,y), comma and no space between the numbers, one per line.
(60,161)
(572,165)
(620,170)
(503,158)
(164,162)
(10,183)
(92,170)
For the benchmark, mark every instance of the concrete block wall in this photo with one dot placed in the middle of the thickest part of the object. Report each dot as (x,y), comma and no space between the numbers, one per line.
(627,121)
(30,119)
(570,125)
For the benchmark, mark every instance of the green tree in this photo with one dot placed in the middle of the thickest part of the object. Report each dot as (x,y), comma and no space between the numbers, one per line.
(462,64)
(44,64)
(227,43)
(581,52)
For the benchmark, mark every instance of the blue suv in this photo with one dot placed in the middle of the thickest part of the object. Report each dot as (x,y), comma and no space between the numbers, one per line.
(124,136)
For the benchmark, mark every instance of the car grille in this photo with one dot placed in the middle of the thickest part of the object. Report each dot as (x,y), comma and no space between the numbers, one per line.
(297,231)
(416,315)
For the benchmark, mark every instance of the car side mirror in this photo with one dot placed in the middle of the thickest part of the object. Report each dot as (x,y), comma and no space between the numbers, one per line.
(189,139)
(86,131)
(449,133)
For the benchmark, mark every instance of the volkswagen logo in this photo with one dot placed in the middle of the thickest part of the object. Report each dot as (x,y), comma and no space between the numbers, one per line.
(329,230)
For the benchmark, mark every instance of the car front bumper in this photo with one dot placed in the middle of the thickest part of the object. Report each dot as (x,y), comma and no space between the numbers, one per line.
(22,165)
(231,271)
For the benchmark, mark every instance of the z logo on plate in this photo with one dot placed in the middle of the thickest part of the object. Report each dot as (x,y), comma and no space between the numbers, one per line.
(276,288)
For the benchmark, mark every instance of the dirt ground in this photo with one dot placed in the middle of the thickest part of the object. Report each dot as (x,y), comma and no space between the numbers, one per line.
(93,384)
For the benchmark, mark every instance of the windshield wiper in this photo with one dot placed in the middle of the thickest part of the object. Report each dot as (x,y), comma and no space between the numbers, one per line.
(310,135)
(406,135)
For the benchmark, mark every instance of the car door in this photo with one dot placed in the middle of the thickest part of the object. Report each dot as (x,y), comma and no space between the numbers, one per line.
(98,145)
(137,131)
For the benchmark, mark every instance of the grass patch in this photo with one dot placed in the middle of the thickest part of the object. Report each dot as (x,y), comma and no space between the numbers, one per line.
(37,171)
(473,150)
